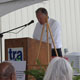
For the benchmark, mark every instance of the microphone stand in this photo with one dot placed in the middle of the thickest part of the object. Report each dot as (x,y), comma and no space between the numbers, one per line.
(1,35)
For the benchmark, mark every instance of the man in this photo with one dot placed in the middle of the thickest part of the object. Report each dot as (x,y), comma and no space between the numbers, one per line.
(7,71)
(55,27)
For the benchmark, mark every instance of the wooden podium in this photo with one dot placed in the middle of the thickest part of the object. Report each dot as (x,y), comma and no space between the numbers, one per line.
(30,49)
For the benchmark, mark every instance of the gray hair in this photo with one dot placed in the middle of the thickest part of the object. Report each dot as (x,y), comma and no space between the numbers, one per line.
(43,10)
(9,70)
(58,69)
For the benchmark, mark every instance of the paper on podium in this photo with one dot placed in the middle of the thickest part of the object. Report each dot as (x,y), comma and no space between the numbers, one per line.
(20,67)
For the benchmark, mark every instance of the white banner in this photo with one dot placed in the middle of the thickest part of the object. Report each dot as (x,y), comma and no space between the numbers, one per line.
(20,67)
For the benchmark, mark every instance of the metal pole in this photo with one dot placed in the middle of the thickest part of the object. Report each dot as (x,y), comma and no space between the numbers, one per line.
(1,47)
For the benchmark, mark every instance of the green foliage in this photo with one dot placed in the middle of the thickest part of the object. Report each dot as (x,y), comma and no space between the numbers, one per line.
(37,73)
(76,77)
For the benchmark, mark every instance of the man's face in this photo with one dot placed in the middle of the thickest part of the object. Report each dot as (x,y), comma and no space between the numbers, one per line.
(41,17)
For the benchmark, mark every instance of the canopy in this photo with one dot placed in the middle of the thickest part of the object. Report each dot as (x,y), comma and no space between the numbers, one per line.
(7,6)
(3,1)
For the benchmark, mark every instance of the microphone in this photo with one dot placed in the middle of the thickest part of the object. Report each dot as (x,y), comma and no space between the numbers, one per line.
(32,21)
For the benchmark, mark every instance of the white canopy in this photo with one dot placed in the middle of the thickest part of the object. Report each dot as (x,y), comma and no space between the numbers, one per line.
(3,1)
(7,6)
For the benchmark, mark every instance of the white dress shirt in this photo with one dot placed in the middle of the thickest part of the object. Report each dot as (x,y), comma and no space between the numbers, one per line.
(56,30)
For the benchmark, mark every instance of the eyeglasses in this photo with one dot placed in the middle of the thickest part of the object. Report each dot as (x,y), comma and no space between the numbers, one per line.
(4,78)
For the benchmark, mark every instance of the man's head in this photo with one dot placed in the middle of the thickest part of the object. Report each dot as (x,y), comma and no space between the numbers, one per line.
(7,71)
(42,15)
(59,69)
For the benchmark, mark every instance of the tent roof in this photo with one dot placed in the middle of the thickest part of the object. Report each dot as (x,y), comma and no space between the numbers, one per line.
(7,6)
(3,1)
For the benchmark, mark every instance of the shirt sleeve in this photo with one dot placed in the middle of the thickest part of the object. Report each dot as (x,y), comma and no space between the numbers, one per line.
(56,31)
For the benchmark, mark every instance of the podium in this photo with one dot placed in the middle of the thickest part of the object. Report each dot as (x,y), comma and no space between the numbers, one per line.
(29,48)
